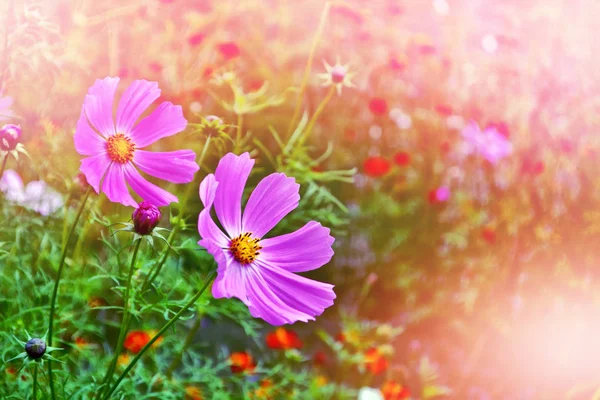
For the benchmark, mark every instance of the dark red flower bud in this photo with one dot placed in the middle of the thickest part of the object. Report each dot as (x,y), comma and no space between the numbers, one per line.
(10,135)
(145,218)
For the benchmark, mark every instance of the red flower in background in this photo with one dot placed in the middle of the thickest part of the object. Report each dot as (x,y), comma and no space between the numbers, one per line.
(444,110)
(375,362)
(445,147)
(229,50)
(155,67)
(241,362)
(489,235)
(378,106)
(376,166)
(532,167)
(394,391)
(196,39)
(320,358)
(283,339)
(501,128)
(136,340)
(402,158)
(398,63)
(350,134)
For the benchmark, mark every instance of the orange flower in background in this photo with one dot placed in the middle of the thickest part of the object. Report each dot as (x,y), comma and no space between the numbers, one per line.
(123,360)
(241,362)
(320,380)
(376,166)
(81,342)
(375,362)
(264,391)
(93,301)
(193,393)
(136,340)
(394,391)
(283,339)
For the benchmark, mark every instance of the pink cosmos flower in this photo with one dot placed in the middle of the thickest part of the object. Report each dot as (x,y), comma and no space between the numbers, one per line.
(114,146)
(490,144)
(261,271)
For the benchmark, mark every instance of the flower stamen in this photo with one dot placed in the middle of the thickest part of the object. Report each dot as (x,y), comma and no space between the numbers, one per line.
(120,148)
(245,248)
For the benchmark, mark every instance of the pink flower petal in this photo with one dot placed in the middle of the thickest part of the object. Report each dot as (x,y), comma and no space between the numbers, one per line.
(94,169)
(87,141)
(231,279)
(173,166)
(306,296)
(208,190)
(98,105)
(272,199)
(146,190)
(232,173)
(166,120)
(135,100)
(114,186)
(265,304)
(306,249)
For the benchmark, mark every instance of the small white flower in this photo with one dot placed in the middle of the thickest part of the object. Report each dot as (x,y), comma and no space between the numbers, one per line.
(368,393)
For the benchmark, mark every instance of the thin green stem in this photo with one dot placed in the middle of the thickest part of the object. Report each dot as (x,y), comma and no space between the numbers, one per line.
(186,196)
(316,115)
(35,374)
(190,336)
(3,165)
(238,134)
(190,303)
(61,265)
(156,270)
(125,320)
(308,67)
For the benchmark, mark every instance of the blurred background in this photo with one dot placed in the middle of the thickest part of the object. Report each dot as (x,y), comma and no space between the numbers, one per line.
(457,166)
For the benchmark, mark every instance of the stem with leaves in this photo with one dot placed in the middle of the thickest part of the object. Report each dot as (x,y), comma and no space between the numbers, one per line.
(189,304)
(308,68)
(57,282)
(125,320)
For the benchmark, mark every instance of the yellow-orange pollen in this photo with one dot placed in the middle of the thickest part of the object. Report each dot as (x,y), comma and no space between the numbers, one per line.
(245,248)
(120,148)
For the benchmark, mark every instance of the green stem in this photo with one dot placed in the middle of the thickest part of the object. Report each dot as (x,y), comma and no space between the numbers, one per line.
(125,320)
(190,303)
(308,67)
(238,135)
(156,270)
(187,342)
(35,373)
(3,165)
(188,192)
(61,265)
(316,115)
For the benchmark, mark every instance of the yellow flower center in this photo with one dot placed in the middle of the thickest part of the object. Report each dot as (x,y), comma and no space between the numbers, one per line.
(120,148)
(245,248)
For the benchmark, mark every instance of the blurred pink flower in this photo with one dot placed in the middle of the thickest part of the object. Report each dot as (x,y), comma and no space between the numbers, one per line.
(36,196)
(262,272)
(5,107)
(114,149)
(490,144)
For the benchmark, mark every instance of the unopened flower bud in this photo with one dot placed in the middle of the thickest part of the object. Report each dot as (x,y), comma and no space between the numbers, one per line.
(10,135)
(145,218)
(338,73)
(35,348)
